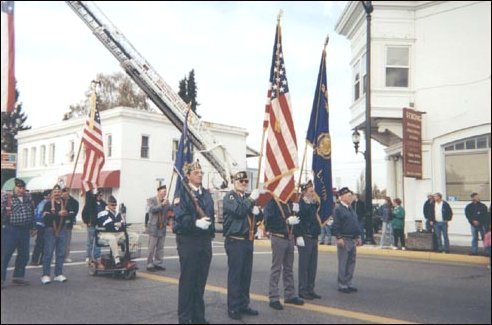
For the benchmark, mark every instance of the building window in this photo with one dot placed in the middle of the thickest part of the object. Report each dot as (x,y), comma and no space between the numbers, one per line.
(109,142)
(71,151)
(175,148)
(356,81)
(468,168)
(42,156)
(364,73)
(51,154)
(397,66)
(24,157)
(144,148)
(33,157)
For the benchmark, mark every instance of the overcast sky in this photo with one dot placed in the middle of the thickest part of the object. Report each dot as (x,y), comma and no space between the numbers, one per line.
(229,44)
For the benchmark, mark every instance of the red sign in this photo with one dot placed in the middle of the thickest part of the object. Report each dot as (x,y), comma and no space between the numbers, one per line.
(412,143)
(9,160)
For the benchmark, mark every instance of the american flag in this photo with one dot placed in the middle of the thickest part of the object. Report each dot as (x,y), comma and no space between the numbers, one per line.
(281,146)
(94,153)
(8,54)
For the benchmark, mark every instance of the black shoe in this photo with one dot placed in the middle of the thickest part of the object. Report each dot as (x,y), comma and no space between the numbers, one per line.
(151,269)
(352,289)
(315,295)
(159,268)
(276,305)
(295,301)
(249,311)
(307,297)
(344,290)
(203,321)
(234,314)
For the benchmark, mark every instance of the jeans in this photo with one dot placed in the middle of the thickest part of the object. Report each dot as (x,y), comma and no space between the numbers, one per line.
(475,230)
(442,227)
(362,227)
(92,251)
(386,233)
(15,238)
(53,243)
(325,233)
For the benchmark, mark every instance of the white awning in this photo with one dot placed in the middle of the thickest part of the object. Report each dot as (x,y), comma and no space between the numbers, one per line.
(43,182)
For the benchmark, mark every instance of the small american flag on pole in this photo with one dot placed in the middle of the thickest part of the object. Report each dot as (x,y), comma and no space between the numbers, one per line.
(94,153)
(8,54)
(281,146)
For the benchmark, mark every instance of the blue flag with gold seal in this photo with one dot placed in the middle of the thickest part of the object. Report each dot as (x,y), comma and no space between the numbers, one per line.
(184,154)
(318,136)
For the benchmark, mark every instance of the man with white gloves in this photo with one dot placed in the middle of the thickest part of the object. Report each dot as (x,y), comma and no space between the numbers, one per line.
(194,228)
(306,234)
(240,217)
(280,221)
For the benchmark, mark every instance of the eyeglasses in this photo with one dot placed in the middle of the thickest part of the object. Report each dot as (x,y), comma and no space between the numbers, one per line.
(111,204)
(244,181)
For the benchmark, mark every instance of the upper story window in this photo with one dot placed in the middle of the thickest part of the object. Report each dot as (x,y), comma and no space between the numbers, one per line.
(144,148)
(42,156)
(71,151)
(356,80)
(109,146)
(33,157)
(175,148)
(397,66)
(25,154)
(363,72)
(51,154)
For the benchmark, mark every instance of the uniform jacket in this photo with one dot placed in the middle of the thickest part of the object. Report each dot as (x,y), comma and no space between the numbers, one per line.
(186,215)
(73,210)
(237,210)
(345,223)
(274,220)
(309,223)
(157,223)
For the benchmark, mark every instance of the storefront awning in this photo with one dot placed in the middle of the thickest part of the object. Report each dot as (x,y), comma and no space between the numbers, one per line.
(107,179)
(9,184)
(43,182)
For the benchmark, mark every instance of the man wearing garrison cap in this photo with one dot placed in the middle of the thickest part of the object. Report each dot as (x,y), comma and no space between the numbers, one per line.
(194,228)
(347,231)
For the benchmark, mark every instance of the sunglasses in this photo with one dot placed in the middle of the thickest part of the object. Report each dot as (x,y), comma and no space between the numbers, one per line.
(244,181)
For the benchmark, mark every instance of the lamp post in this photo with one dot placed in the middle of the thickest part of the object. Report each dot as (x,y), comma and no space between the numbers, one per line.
(368,8)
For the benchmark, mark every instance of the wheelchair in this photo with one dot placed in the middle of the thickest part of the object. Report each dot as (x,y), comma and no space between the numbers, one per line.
(127,268)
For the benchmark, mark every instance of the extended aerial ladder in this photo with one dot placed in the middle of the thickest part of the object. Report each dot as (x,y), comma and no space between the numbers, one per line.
(163,96)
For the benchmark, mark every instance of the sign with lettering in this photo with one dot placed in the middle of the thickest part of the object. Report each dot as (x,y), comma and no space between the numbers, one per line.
(412,143)
(9,160)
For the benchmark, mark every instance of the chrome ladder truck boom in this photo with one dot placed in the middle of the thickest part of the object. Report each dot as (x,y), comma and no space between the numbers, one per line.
(147,78)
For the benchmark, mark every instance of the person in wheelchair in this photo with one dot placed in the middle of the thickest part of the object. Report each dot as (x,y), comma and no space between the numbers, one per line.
(114,230)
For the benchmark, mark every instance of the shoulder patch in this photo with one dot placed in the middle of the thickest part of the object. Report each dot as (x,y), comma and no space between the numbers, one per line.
(231,197)
(176,201)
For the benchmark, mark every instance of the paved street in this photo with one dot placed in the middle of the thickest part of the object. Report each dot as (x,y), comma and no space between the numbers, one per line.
(394,287)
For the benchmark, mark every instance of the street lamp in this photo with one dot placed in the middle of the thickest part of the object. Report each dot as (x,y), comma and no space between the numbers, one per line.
(368,8)
(356,140)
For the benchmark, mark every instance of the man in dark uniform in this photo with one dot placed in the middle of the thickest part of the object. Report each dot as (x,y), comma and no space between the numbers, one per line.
(194,228)
(279,220)
(239,230)
(306,233)
(347,231)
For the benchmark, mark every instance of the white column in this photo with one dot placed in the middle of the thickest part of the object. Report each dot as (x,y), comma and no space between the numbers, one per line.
(391,177)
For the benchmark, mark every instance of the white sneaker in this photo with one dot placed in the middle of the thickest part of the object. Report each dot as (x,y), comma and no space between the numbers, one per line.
(68,260)
(45,279)
(403,249)
(87,260)
(60,278)
(394,247)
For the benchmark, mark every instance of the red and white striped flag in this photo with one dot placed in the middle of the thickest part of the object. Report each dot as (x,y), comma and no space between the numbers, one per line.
(94,153)
(8,54)
(281,146)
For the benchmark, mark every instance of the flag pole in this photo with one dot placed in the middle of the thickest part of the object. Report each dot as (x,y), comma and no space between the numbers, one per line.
(170,184)
(93,102)
(302,167)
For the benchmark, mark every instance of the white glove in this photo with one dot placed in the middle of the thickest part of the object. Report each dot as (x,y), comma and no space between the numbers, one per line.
(293,220)
(295,207)
(300,241)
(203,223)
(255,194)
(256,210)
(117,224)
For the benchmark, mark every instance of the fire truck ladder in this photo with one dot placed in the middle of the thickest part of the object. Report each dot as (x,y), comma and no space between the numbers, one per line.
(163,96)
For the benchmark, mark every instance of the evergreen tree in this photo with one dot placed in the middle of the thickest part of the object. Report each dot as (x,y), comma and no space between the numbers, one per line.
(183,93)
(12,123)
(192,90)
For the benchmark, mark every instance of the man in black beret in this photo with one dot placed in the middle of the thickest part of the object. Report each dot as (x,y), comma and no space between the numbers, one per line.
(347,231)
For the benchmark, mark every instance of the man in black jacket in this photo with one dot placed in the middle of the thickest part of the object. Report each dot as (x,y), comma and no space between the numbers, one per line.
(347,231)
(476,213)
(239,228)
(441,214)
(194,228)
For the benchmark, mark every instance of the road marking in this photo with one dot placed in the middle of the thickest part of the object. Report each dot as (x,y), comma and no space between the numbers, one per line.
(307,306)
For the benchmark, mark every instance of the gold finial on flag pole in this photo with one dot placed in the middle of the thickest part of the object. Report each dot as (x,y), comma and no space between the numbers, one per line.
(280,13)
(327,40)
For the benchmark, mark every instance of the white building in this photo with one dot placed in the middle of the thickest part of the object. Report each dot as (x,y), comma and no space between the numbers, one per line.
(139,149)
(433,56)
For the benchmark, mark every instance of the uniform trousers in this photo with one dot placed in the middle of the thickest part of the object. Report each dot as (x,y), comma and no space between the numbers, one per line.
(240,263)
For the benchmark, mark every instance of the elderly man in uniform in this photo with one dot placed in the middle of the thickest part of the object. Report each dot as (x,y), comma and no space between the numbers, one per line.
(279,221)
(158,207)
(239,230)
(194,228)
(306,233)
(347,231)
(17,226)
